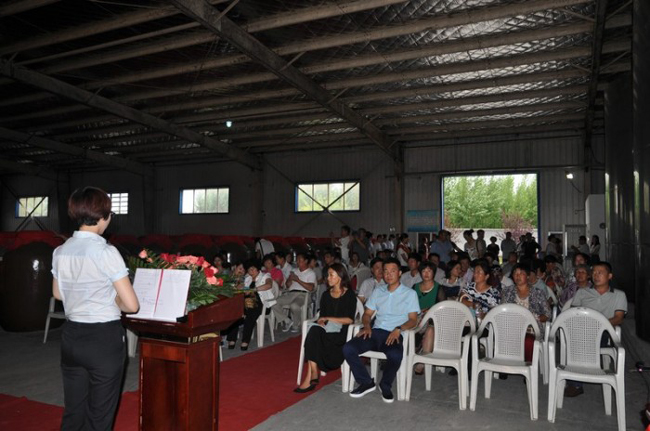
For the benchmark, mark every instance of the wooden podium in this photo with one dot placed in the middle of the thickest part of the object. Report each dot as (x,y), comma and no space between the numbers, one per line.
(179,370)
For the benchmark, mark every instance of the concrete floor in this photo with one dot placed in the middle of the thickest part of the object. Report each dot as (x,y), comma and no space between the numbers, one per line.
(30,368)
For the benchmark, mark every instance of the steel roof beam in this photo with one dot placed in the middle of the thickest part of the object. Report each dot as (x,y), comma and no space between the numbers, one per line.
(211,19)
(71,92)
(60,147)
(18,6)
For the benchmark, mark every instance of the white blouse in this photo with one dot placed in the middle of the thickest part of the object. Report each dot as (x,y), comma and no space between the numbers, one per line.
(85,267)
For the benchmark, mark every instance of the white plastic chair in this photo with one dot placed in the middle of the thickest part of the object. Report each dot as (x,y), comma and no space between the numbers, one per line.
(51,314)
(583,328)
(451,348)
(607,352)
(374,364)
(362,275)
(345,368)
(267,318)
(508,325)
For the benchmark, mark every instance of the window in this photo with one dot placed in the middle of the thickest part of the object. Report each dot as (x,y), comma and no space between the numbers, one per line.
(119,203)
(25,206)
(205,201)
(332,196)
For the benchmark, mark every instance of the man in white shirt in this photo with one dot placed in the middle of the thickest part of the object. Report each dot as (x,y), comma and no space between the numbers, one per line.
(281,261)
(263,247)
(411,277)
(300,282)
(610,302)
(343,243)
(508,245)
(369,284)
(582,246)
(466,273)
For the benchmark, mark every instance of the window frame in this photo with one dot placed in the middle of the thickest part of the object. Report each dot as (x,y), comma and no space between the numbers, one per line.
(35,197)
(330,182)
(128,196)
(180,200)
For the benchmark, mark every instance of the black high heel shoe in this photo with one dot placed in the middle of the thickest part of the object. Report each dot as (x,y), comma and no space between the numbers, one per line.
(244,348)
(231,345)
(309,388)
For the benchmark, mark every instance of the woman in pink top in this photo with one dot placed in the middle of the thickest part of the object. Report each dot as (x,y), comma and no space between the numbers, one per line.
(269,267)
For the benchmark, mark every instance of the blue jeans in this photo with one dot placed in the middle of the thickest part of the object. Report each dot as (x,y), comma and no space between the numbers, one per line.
(376,342)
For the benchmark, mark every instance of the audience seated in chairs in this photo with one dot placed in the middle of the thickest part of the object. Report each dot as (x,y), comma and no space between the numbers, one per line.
(429,293)
(300,282)
(479,294)
(411,277)
(396,307)
(530,298)
(369,284)
(453,282)
(610,302)
(272,270)
(581,275)
(325,339)
(260,283)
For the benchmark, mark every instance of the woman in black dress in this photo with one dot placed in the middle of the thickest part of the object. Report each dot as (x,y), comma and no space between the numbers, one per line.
(325,340)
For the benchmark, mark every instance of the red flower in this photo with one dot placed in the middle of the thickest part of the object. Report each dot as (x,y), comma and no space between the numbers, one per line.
(219,282)
(208,272)
(200,261)
(165,257)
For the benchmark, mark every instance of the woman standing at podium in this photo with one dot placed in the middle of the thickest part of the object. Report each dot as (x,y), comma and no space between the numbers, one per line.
(91,279)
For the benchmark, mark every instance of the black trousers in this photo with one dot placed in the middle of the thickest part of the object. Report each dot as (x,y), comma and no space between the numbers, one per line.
(249,322)
(92,364)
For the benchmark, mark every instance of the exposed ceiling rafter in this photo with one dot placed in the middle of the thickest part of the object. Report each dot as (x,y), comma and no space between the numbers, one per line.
(71,92)
(211,19)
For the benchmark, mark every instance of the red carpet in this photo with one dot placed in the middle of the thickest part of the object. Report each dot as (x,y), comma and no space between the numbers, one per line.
(254,387)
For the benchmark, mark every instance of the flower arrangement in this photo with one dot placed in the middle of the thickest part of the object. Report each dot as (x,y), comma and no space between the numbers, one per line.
(206,284)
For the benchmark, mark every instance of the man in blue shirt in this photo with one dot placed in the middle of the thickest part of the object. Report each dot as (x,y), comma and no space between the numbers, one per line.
(397,309)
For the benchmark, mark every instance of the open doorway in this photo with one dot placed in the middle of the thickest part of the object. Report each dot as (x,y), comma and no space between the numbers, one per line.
(495,203)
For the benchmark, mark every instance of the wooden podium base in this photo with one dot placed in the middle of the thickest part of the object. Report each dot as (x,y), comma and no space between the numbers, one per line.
(179,385)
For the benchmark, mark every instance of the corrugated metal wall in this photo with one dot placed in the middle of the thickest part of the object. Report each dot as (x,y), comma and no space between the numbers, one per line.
(371,167)
(560,202)
(24,186)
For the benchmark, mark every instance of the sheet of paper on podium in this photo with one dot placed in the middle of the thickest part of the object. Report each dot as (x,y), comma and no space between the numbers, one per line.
(162,293)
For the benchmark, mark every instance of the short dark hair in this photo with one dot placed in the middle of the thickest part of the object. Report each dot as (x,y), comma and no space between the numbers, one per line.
(88,205)
(605,264)
(393,261)
(434,254)
(270,256)
(549,258)
(253,263)
(463,256)
(450,266)
(415,256)
(346,228)
(522,266)
(427,264)
(484,266)
(375,260)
